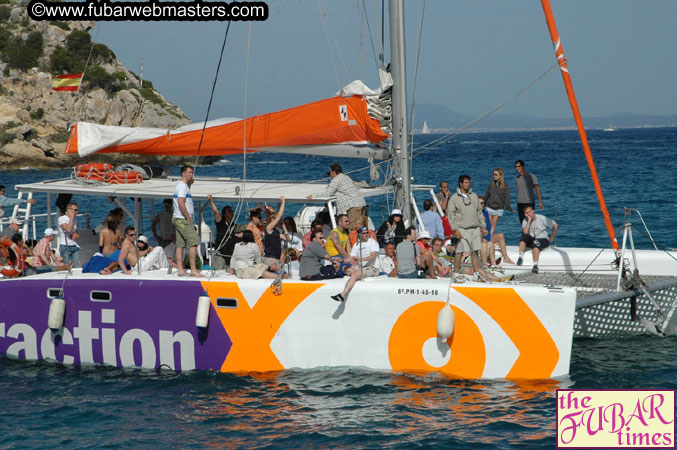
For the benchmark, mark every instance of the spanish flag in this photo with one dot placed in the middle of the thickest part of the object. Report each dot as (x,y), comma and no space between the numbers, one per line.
(67,82)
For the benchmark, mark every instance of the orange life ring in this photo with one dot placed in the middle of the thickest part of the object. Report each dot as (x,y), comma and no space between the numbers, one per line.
(102,167)
(17,268)
(123,177)
(95,172)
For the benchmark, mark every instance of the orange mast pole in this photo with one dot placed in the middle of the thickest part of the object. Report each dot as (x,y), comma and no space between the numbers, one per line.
(559,53)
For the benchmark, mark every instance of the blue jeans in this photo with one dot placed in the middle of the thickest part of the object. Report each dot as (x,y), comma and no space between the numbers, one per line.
(412,275)
(70,253)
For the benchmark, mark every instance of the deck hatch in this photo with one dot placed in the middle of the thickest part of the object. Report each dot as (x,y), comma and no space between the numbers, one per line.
(54,292)
(100,296)
(222,302)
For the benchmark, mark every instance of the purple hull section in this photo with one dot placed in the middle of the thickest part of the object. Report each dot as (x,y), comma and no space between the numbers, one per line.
(125,323)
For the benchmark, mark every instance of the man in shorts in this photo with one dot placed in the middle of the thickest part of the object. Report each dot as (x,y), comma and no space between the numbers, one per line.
(466,217)
(535,235)
(182,218)
(365,261)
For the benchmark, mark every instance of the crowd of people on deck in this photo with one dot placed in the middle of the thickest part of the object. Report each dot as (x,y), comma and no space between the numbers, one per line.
(457,235)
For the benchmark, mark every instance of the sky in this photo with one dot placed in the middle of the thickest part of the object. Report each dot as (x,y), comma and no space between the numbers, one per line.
(474,55)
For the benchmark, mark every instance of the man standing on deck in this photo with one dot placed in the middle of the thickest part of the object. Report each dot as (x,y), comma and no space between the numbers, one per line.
(466,218)
(68,235)
(526,183)
(186,235)
(349,200)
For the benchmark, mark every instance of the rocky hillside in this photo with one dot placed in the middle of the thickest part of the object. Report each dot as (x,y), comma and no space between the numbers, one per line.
(34,118)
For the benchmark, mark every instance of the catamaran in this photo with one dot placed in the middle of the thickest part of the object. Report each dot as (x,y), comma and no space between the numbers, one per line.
(156,319)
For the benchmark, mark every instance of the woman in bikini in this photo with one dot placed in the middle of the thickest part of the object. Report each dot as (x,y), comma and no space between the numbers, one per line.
(109,238)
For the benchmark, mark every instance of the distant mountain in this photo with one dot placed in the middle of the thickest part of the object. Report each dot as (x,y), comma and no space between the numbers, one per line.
(441,118)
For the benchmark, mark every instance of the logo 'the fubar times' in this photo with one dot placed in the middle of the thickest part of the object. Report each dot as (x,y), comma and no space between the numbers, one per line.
(616,418)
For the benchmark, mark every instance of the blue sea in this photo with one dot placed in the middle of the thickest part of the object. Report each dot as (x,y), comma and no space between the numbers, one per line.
(48,405)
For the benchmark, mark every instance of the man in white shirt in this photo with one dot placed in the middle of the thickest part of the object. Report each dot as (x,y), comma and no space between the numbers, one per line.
(388,262)
(68,234)
(182,218)
(535,235)
(364,258)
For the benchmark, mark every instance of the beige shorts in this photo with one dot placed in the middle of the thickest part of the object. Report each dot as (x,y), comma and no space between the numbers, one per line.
(472,235)
(252,272)
(370,271)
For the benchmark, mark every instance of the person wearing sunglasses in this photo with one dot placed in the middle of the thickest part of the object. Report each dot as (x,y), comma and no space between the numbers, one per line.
(68,235)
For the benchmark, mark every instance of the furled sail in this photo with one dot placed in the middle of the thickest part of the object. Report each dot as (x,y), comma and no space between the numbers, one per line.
(338,126)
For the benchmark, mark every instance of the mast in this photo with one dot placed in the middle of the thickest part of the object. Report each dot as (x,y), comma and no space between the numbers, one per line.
(559,53)
(399,99)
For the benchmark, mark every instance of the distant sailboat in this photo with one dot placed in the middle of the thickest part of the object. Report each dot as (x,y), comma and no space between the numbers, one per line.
(425,130)
(610,128)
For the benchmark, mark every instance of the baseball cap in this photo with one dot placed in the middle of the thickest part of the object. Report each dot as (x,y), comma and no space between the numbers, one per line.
(396,212)
(15,221)
(362,229)
(49,232)
(143,239)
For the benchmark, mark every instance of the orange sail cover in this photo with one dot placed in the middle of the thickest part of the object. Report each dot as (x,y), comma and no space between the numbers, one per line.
(337,121)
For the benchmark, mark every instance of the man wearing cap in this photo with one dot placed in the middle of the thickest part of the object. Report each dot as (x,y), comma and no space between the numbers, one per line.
(148,256)
(6,201)
(364,258)
(12,229)
(349,200)
(167,233)
(431,219)
(44,259)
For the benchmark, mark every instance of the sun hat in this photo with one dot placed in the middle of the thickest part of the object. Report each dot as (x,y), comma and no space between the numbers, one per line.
(15,221)
(424,235)
(50,232)
(396,212)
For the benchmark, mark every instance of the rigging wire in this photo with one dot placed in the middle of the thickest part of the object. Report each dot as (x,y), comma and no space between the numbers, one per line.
(234,45)
(421,16)
(279,57)
(84,71)
(371,39)
(211,96)
(323,14)
(447,137)
(383,39)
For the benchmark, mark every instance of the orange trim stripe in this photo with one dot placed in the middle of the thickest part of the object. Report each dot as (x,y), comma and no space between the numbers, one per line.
(538,353)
